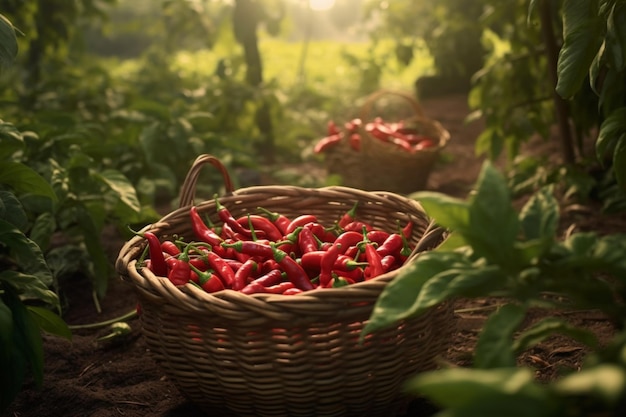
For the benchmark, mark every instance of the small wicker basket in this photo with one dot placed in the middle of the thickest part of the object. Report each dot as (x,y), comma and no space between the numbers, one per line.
(384,166)
(276,355)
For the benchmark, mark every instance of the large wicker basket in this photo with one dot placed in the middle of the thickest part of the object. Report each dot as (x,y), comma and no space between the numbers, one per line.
(384,166)
(276,355)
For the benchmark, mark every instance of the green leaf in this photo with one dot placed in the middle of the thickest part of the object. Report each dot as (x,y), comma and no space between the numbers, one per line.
(118,183)
(582,37)
(495,392)
(26,252)
(494,348)
(8,43)
(50,322)
(550,326)
(493,222)
(605,381)
(12,211)
(619,162)
(24,180)
(399,299)
(12,361)
(611,132)
(44,227)
(29,287)
(27,337)
(540,215)
(616,36)
(101,264)
(447,211)
(11,140)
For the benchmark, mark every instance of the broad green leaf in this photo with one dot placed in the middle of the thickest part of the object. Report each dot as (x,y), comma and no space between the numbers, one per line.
(449,212)
(595,69)
(44,227)
(548,327)
(605,381)
(12,361)
(619,162)
(26,252)
(29,287)
(489,142)
(12,211)
(493,222)
(118,183)
(616,35)
(50,322)
(611,132)
(27,337)
(24,180)
(540,215)
(458,388)
(582,37)
(8,43)
(399,298)
(494,348)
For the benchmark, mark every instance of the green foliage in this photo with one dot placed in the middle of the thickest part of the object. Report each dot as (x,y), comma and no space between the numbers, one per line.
(520,263)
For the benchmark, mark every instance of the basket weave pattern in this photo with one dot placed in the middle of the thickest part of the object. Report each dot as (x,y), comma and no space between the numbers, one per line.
(275,355)
(384,166)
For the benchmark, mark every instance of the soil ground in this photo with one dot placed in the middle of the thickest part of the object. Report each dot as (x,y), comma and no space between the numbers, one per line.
(86,378)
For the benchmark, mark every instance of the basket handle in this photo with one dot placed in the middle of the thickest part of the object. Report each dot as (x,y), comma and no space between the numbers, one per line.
(366,108)
(432,235)
(188,190)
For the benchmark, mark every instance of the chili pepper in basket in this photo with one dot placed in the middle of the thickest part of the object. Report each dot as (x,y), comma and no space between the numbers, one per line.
(331,128)
(273,277)
(280,288)
(279,220)
(355,141)
(357,226)
(389,262)
(263,224)
(295,273)
(327,262)
(221,268)
(208,280)
(292,291)
(251,248)
(300,221)
(228,219)
(242,274)
(348,239)
(349,216)
(157,259)
(180,271)
(391,246)
(170,248)
(307,241)
(374,260)
(201,230)
(377,236)
(327,142)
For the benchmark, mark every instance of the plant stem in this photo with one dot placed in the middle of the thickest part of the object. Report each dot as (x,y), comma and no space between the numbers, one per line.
(130,315)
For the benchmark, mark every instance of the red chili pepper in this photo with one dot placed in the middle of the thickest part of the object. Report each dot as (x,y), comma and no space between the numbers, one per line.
(292,291)
(349,216)
(208,281)
(251,248)
(221,268)
(269,265)
(253,288)
(312,260)
(261,224)
(353,125)
(355,141)
(300,221)
(346,263)
(227,218)
(391,246)
(201,230)
(279,220)
(241,276)
(389,263)
(340,281)
(280,288)
(157,259)
(377,236)
(424,144)
(306,240)
(355,275)
(357,226)
(295,273)
(349,239)
(180,272)
(170,248)
(199,262)
(374,261)
(273,277)
(327,263)
(331,128)
(327,142)
(407,230)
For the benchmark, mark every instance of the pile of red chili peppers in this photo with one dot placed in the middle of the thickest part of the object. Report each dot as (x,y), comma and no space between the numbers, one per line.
(394,133)
(267,252)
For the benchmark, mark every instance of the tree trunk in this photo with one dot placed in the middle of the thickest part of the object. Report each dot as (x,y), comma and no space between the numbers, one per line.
(562,108)
(245,21)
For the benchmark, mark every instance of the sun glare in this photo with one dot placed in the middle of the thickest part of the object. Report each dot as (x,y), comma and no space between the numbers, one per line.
(321,5)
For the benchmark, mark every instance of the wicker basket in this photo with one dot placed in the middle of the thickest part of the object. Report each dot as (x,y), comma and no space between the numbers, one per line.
(276,355)
(384,166)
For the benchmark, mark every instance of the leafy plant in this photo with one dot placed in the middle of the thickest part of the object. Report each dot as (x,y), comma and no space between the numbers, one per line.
(521,263)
